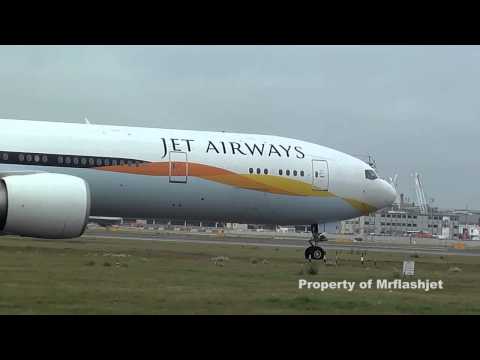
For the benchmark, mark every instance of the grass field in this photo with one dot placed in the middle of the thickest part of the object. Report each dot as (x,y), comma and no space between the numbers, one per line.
(107,276)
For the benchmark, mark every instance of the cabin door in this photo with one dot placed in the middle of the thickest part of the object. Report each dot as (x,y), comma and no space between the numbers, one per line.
(178,169)
(320,175)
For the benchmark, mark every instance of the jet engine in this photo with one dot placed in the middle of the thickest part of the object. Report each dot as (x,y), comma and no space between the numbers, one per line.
(44,205)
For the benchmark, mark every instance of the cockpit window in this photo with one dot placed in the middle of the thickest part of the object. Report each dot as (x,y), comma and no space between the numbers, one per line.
(370,174)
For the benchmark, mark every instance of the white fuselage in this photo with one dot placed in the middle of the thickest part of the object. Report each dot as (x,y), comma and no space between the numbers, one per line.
(178,174)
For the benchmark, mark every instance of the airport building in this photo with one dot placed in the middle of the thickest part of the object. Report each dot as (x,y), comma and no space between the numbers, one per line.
(448,224)
(407,218)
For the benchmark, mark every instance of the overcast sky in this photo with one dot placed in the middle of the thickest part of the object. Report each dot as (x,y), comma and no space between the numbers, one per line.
(415,108)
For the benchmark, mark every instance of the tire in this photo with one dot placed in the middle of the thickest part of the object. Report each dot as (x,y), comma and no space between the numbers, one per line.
(318,253)
(309,253)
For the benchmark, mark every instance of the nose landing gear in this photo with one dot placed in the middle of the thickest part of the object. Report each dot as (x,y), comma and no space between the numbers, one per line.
(314,251)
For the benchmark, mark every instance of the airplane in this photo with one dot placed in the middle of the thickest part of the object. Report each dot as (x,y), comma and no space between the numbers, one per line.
(55,175)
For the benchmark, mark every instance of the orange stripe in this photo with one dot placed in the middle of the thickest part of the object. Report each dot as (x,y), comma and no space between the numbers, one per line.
(151,169)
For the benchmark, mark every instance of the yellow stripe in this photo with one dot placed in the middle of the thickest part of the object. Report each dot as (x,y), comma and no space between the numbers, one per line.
(285,186)
(359,205)
(281,185)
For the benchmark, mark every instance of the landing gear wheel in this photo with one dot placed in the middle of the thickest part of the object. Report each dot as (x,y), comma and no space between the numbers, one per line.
(318,253)
(309,253)
(313,251)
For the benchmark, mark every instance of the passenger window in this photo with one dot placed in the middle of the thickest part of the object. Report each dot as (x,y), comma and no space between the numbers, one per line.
(106,162)
(99,162)
(21,157)
(280,172)
(295,173)
(122,162)
(60,160)
(75,161)
(287,172)
(91,161)
(316,174)
(37,158)
(68,160)
(84,161)
(5,156)
(302,173)
(114,162)
(370,174)
(265,171)
(250,170)
(44,158)
(259,171)
(29,157)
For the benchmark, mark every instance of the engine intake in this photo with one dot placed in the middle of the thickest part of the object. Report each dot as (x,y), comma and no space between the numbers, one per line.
(44,205)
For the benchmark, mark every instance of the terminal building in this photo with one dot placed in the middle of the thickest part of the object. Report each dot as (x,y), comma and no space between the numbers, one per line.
(447,224)
(405,218)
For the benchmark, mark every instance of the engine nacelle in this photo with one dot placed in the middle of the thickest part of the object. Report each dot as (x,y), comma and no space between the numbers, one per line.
(45,205)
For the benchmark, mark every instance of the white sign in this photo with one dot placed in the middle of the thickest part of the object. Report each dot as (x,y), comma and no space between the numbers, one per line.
(409,268)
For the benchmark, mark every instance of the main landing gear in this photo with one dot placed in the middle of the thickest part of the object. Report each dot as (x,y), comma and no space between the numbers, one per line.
(314,251)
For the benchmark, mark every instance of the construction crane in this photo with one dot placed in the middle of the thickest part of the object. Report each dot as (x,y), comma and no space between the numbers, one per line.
(422,200)
(394,183)
(371,162)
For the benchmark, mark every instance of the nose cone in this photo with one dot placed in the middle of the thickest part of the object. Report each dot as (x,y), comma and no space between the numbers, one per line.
(386,195)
